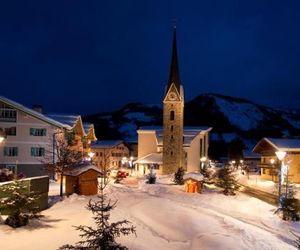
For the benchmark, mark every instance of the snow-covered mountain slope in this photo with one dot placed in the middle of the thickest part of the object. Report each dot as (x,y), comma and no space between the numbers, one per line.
(230,114)
(225,114)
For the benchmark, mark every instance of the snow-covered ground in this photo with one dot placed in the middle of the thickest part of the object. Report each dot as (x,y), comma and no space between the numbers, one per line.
(255,181)
(165,218)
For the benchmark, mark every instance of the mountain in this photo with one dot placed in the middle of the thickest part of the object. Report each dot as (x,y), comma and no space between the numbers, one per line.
(231,118)
(124,122)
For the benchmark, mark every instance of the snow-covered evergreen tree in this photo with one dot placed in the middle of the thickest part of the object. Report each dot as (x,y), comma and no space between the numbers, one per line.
(289,206)
(178,176)
(20,204)
(104,235)
(227,181)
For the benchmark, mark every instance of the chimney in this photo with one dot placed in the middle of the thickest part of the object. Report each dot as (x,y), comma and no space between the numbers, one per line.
(38,108)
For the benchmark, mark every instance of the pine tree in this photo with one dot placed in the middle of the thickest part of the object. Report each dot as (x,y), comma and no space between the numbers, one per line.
(178,176)
(227,180)
(20,204)
(104,235)
(289,206)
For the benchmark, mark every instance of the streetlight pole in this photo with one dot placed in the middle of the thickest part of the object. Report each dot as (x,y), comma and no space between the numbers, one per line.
(280,155)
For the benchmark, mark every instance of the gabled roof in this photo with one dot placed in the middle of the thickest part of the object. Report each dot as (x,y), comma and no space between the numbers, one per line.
(90,131)
(189,133)
(69,120)
(106,144)
(153,158)
(80,170)
(288,145)
(33,113)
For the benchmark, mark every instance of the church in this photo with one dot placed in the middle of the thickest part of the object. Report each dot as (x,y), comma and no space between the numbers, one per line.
(167,148)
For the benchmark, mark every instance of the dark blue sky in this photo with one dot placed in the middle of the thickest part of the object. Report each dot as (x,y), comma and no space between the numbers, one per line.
(88,56)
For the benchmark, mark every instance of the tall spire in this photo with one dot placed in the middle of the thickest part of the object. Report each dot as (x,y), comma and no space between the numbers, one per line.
(174,69)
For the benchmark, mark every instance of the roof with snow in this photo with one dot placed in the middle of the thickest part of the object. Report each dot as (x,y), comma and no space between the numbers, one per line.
(288,145)
(69,120)
(154,158)
(189,133)
(87,127)
(33,113)
(193,175)
(82,169)
(106,143)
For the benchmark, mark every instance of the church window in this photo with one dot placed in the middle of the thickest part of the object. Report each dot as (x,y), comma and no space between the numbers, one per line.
(172,115)
(171,153)
(171,128)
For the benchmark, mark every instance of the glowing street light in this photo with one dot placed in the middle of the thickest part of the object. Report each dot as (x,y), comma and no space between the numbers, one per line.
(2,135)
(280,155)
(203,160)
(91,154)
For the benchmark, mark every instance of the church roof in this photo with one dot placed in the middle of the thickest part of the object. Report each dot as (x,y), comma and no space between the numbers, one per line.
(189,133)
(174,68)
(154,158)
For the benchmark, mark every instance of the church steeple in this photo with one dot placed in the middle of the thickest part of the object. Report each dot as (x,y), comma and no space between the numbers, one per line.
(174,68)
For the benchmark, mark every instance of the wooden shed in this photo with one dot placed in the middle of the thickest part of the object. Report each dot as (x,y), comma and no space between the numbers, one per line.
(193,182)
(82,180)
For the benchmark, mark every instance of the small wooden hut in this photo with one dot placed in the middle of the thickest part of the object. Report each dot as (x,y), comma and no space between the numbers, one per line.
(193,182)
(82,180)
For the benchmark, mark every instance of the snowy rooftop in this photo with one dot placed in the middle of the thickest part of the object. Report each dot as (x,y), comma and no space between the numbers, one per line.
(289,145)
(33,113)
(80,170)
(193,175)
(189,133)
(155,158)
(87,127)
(69,120)
(106,143)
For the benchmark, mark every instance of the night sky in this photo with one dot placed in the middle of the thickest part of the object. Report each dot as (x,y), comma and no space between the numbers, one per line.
(93,56)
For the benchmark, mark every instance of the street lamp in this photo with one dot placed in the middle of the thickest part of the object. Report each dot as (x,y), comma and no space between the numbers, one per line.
(203,160)
(2,135)
(280,155)
(91,155)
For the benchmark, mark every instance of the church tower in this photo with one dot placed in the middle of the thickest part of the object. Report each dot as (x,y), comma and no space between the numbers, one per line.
(173,104)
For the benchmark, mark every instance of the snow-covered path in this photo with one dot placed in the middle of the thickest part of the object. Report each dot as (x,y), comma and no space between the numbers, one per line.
(165,218)
(188,221)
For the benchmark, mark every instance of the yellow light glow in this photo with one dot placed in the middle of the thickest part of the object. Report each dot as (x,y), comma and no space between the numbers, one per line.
(91,154)
(203,159)
(280,155)
(272,161)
